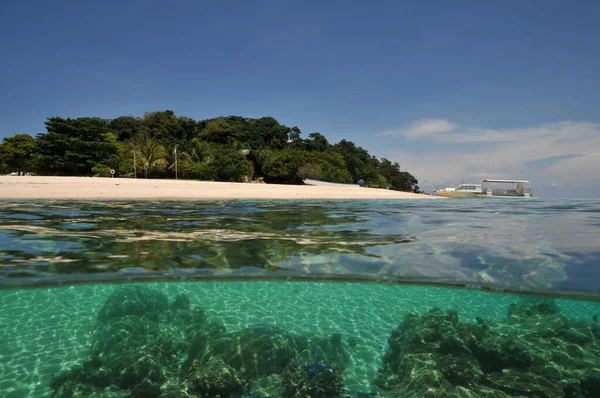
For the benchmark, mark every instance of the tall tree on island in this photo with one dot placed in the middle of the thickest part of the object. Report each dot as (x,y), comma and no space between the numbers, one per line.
(74,146)
(151,155)
(228,148)
(17,154)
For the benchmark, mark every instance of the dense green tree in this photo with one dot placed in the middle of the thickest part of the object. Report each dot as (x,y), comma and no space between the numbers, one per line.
(310,170)
(74,146)
(231,165)
(160,125)
(185,129)
(18,153)
(294,135)
(195,161)
(286,166)
(337,174)
(263,133)
(101,170)
(399,180)
(230,148)
(125,127)
(358,161)
(217,131)
(267,133)
(122,160)
(317,142)
(282,166)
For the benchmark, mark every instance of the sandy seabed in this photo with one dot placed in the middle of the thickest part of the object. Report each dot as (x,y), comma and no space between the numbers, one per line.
(28,187)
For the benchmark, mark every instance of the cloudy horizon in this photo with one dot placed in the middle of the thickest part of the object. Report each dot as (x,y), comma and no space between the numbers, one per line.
(560,159)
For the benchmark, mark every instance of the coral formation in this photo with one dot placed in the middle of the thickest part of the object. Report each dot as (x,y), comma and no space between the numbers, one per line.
(145,346)
(535,352)
(311,379)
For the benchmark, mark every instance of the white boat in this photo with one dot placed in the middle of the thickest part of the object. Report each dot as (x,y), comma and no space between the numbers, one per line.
(490,188)
(310,181)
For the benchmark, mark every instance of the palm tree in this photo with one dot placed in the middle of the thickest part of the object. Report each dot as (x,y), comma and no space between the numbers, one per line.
(196,159)
(151,154)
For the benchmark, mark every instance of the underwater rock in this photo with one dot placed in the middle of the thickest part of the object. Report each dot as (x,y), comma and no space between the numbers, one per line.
(269,386)
(146,389)
(74,389)
(181,302)
(258,351)
(91,377)
(310,379)
(537,340)
(500,351)
(430,347)
(185,323)
(134,300)
(174,388)
(532,306)
(126,353)
(121,334)
(261,350)
(590,383)
(427,381)
(214,379)
(209,340)
(155,362)
(536,352)
(354,394)
(517,383)
(141,371)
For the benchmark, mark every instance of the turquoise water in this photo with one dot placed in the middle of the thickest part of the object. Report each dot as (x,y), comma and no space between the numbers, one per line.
(257,296)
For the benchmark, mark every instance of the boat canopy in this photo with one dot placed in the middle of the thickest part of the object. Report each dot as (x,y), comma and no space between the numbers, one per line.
(508,181)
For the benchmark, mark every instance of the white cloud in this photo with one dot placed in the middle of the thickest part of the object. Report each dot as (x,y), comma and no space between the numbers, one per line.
(554,131)
(424,128)
(471,154)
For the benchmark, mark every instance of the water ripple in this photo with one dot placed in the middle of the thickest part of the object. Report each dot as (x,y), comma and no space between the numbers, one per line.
(527,245)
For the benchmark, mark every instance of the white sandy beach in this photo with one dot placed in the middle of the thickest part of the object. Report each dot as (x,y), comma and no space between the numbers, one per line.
(28,187)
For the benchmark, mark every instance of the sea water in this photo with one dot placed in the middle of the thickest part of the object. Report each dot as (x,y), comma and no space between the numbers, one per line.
(300,298)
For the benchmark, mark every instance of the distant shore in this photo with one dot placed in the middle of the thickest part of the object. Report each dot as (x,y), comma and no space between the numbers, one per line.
(28,187)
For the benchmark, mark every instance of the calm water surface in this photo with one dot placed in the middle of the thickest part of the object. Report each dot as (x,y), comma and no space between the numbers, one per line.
(249,287)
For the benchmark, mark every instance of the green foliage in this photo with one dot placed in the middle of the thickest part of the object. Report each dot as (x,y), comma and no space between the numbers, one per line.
(263,133)
(102,170)
(317,142)
(125,127)
(381,182)
(231,165)
(195,161)
(74,146)
(122,160)
(336,174)
(399,180)
(228,148)
(288,165)
(17,153)
(358,161)
(310,170)
(150,155)
(218,131)
(282,166)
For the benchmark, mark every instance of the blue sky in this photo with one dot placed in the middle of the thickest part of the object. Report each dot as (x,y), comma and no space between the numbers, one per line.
(525,74)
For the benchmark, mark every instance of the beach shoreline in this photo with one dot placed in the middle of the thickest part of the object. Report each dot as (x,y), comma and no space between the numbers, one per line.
(98,188)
